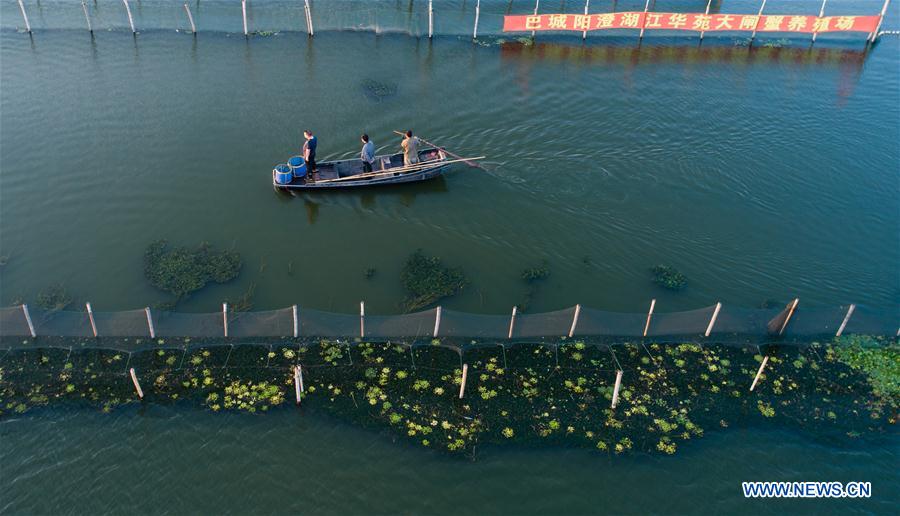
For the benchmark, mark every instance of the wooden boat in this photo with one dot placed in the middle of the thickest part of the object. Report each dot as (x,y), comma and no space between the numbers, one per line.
(387,170)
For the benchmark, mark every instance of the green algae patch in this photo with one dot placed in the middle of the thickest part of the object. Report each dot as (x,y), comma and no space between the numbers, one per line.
(668,277)
(426,281)
(54,297)
(879,361)
(182,271)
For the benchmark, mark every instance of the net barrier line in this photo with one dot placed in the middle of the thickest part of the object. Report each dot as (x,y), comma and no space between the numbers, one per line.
(719,323)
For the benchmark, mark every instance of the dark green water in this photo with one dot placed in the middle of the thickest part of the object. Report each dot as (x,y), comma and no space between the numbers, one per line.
(768,173)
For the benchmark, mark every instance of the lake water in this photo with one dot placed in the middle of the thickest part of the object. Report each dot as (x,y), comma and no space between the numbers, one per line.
(761,173)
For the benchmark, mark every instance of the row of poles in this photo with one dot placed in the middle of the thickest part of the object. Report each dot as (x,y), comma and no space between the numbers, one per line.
(309,23)
(436,332)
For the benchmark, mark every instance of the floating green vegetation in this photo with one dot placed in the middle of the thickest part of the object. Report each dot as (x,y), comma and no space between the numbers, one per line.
(245,302)
(426,281)
(668,277)
(54,297)
(533,276)
(377,90)
(182,271)
(879,361)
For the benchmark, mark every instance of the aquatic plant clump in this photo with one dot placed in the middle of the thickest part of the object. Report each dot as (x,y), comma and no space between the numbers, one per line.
(54,297)
(426,281)
(668,277)
(182,271)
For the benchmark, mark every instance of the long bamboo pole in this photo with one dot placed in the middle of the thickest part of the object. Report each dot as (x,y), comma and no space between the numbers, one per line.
(86,16)
(644,25)
(402,170)
(477,14)
(130,19)
(190,18)
(758,18)
(587,6)
(874,34)
(708,3)
(456,156)
(25,16)
(821,14)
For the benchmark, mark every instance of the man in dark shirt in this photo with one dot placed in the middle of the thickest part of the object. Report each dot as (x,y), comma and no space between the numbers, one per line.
(309,151)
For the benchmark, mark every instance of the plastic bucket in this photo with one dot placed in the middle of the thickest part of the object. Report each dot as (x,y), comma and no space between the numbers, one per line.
(283,174)
(298,166)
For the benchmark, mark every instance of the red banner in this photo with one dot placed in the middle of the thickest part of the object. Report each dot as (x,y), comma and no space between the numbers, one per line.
(689,21)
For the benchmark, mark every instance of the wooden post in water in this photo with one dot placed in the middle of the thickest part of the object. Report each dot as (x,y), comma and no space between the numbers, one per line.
(430,20)
(477,14)
(244,15)
(309,23)
(575,320)
(708,3)
(87,18)
(462,384)
(644,25)
(296,322)
(537,4)
(758,17)
(91,319)
(137,385)
(615,399)
(759,373)
(649,315)
(712,320)
(362,319)
(512,321)
(821,14)
(587,5)
(225,318)
(28,320)
(871,37)
(846,320)
(437,321)
(130,19)
(25,16)
(793,306)
(298,382)
(150,323)
(187,9)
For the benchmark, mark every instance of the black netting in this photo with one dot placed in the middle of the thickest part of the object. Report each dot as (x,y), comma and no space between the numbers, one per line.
(61,324)
(132,323)
(693,322)
(547,324)
(419,324)
(873,321)
(12,322)
(314,323)
(814,321)
(745,321)
(461,324)
(598,322)
(172,324)
(273,323)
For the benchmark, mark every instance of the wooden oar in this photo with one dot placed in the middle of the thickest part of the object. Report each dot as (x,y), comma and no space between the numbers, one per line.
(399,170)
(460,158)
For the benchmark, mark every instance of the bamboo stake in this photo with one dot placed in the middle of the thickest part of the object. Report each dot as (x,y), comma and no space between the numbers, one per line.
(874,34)
(88,19)
(150,323)
(430,20)
(477,13)
(28,320)
(190,18)
(790,313)
(587,5)
(644,25)
(615,398)
(244,15)
(759,373)
(512,321)
(130,19)
(437,321)
(309,23)
(296,322)
(821,14)
(362,319)
(846,320)
(712,321)
(537,4)
(649,315)
(455,156)
(225,318)
(462,384)
(91,318)
(25,16)
(575,320)
(298,383)
(137,385)
(758,17)
(708,3)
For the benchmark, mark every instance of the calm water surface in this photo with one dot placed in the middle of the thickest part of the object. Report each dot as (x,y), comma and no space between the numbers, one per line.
(762,174)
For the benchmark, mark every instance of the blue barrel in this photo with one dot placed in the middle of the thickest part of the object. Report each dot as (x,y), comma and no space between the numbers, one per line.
(283,174)
(298,166)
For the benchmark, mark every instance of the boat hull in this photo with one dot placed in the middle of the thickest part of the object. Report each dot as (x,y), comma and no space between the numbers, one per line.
(331,174)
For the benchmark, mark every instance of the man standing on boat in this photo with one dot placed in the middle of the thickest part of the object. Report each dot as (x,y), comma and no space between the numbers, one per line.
(410,145)
(309,151)
(367,155)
